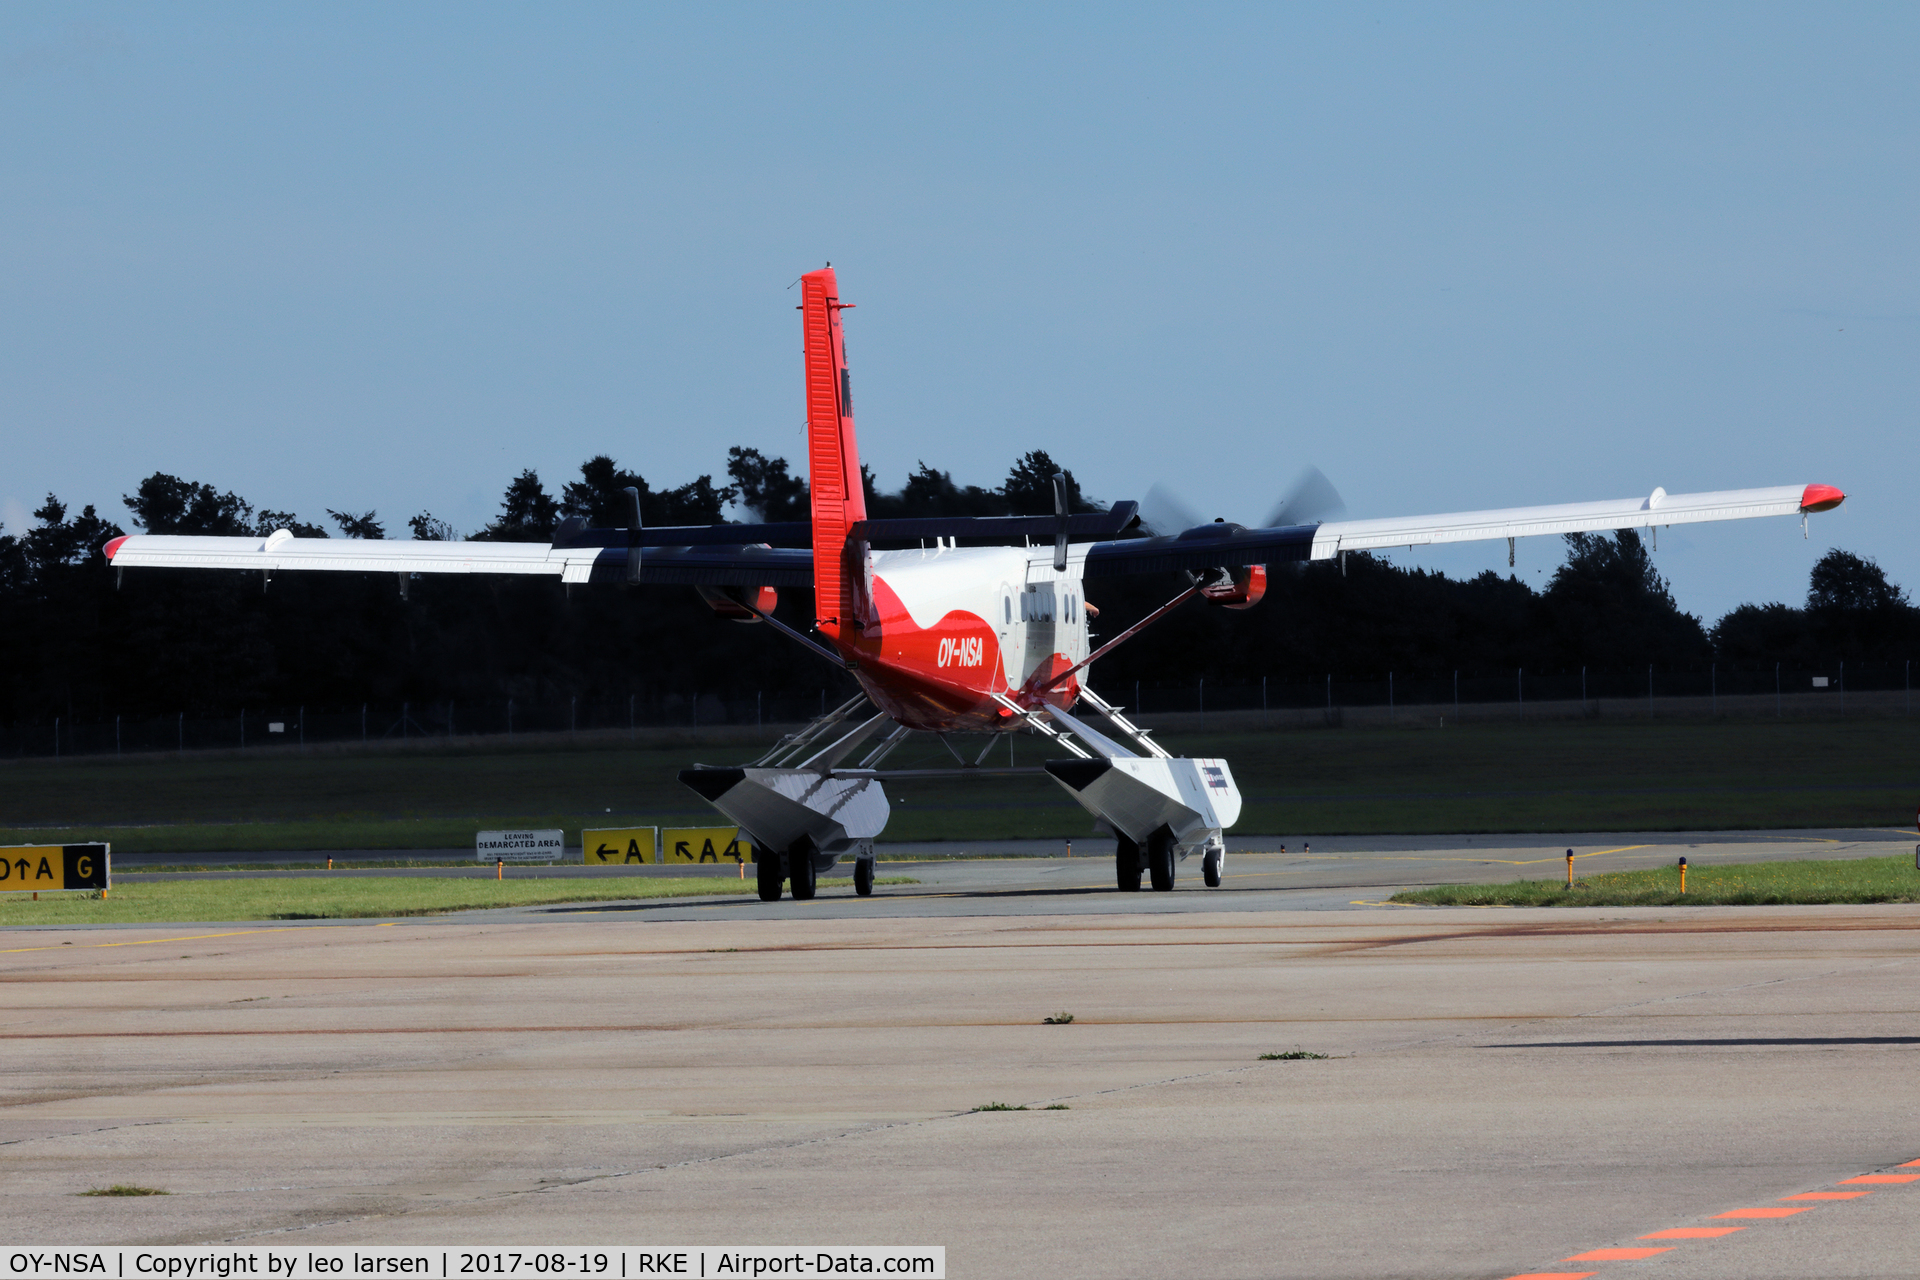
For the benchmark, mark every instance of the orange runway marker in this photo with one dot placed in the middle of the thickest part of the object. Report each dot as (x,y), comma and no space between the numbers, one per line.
(1880,1178)
(1828,1195)
(1763,1213)
(1692,1233)
(1554,1275)
(1911,1164)
(1616,1255)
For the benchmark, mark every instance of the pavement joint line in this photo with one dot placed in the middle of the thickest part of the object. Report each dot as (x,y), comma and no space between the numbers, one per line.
(1767,1212)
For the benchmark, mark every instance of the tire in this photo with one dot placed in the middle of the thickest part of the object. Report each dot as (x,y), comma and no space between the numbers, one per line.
(767,871)
(1211,866)
(1160,861)
(863,877)
(1126,865)
(800,872)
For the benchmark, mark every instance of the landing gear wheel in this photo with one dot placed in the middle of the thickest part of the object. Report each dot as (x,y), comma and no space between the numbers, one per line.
(800,872)
(1126,865)
(1210,867)
(767,870)
(863,877)
(1160,860)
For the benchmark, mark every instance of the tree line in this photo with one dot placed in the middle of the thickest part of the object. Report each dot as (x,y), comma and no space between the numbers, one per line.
(79,643)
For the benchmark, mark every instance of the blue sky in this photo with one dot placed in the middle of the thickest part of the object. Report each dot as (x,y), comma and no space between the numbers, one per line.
(386,256)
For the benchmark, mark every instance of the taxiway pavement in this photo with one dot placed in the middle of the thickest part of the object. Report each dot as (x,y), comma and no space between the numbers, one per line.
(1503,1091)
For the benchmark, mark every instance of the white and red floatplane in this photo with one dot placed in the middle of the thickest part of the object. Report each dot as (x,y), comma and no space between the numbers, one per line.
(943,637)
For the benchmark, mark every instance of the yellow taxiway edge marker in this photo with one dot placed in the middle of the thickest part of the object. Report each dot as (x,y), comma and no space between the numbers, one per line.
(147,942)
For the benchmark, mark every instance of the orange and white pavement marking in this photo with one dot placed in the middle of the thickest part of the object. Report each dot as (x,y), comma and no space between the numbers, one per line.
(1759,1212)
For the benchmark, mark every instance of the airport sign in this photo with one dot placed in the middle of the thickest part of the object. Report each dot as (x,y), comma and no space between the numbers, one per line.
(620,847)
(705,844)
(519,846)
(35,867)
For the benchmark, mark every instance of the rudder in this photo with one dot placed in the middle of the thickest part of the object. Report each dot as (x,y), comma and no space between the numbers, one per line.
(833,456)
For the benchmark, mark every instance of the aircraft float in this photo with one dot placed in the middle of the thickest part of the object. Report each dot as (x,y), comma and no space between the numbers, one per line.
(943,637)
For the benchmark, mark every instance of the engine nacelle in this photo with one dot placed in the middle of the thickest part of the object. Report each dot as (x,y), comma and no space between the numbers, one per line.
(1242,591)
(731,602)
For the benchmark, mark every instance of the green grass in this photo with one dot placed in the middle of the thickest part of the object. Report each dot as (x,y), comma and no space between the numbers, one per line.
(1292,1055)
(1728,885)
(123,1189)
(1598,775)
(350,897)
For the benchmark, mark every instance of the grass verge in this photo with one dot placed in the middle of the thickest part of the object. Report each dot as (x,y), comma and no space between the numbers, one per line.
(1596,775)
(1739,884)
(152,902)
(123,1189)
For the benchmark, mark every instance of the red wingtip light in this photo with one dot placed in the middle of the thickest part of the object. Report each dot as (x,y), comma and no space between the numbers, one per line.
(1821,497)
(114,545)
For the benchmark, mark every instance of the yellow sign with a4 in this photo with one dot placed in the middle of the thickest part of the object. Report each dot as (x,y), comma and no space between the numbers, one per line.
(619,848)
(705,844)
(53,866)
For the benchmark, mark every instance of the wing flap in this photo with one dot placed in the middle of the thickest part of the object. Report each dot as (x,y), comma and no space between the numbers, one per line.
(750,566)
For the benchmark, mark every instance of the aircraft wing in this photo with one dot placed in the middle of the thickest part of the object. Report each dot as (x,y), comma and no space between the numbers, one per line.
(717,565)
(1230,546)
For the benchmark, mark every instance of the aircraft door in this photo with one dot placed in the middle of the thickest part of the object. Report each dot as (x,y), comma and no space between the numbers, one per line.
(1008,627)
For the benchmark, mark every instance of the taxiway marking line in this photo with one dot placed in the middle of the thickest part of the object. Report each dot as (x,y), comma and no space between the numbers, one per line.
(148,942)
(1631,1254)
(1819,1195)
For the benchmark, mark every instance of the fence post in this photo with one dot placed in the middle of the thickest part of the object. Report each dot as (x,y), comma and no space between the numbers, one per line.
(303,726)
(1649,691)
(1520,690)
(1908,707)
(405,715)
(56,737)
(363,724)
(1203,693)
(116,735)
(243,728)
(1329,691)
(758,721)
(573,713)
(1456,695)
(630,732)
(1713,685)
(1136,695)
(1266,722)
(509,717)
(1776,691)
(1389,697)
(183,732)
(1843,688)
(1583,691)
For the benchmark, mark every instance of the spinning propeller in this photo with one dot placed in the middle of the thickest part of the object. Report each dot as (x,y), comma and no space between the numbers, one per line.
(1310,499)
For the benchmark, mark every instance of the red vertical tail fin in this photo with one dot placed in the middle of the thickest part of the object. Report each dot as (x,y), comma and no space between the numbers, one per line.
(833,457)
